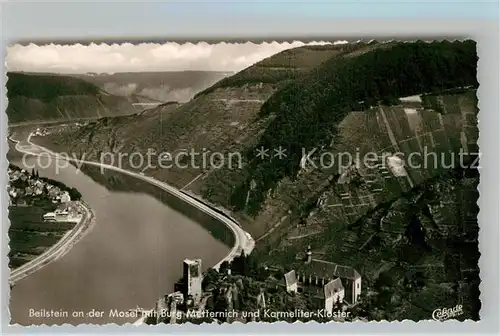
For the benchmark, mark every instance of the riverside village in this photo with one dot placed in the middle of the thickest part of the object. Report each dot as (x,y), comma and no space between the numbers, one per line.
(29,189)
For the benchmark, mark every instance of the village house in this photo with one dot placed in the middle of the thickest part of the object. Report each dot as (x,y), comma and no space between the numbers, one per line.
(28,191)
(39,132)
(13,193)
(13,174)
(54,193)
(333,293)
(57,216)
(291,282)
(65,212)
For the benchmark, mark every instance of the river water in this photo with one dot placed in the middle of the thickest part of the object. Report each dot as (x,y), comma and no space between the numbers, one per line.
(132,255)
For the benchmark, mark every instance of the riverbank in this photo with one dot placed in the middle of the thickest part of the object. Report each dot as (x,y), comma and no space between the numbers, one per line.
(59,249)
(243,240)
(36,242)
(248,242)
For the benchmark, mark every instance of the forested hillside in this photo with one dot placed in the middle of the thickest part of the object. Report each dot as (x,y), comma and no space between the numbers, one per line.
(308,110)
(41,97)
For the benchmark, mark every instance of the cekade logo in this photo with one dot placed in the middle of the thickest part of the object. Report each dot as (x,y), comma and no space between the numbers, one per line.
(443,314)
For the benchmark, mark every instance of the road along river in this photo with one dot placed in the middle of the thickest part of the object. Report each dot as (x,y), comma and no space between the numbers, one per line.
(132,255)
(59,249)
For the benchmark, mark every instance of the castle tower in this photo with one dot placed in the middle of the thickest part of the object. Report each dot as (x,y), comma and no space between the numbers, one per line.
(193,278)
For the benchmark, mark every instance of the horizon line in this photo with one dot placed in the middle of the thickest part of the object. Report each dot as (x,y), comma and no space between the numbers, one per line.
(113,73)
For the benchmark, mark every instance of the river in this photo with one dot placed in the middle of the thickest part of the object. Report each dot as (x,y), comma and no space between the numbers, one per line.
(132,255)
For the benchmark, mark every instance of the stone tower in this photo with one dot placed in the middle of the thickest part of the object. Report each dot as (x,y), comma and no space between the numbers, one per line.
(193,277)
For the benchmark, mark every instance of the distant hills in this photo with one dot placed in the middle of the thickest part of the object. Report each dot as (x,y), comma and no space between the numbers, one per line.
(307,111)
(283,67)
(45,96)
(46,87)
(42,97)
(394,97)
(163,86)
(296,98)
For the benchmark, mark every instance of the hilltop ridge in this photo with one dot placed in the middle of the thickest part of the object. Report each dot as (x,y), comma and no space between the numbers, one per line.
(42,97)
(283,99)
(288,65)
(220,117)
(156,85)
(45,96)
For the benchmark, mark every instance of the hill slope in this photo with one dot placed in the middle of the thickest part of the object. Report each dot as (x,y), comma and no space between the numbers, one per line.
(219,118)
(394,223)
(54,97)
(297,99)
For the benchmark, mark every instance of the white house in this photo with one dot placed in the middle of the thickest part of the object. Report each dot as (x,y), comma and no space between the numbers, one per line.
(57,216)
(49,217)
(334,292)
(291,281)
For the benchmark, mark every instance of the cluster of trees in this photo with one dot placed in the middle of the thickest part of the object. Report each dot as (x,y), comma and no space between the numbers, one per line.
(248,280)
(253,75)
(308,110)
(245,265)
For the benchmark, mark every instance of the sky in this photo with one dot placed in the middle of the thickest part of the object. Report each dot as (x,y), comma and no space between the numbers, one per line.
(127,57)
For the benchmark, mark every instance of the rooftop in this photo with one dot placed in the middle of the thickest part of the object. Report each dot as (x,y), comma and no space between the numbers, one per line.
(191,262)
(290,278)
(326,269)
(333,287)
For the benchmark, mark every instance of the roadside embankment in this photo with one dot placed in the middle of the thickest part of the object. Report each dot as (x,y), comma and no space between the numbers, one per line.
(59,249)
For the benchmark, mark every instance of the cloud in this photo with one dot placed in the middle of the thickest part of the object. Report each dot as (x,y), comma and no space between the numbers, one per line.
(166,95)
(127,57)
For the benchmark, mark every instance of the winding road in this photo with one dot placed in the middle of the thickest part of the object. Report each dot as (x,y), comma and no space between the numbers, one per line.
(243,240)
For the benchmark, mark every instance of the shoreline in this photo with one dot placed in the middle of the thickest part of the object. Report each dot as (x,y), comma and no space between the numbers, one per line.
(59,249)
